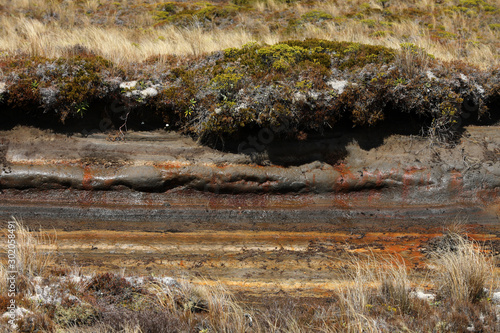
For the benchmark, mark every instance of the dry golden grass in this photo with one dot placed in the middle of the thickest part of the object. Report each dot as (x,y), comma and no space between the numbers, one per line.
(49,27)
(464,272)
(395,283)
(119,45)
(187,299)
(371,278)
(34,251)
(3,280)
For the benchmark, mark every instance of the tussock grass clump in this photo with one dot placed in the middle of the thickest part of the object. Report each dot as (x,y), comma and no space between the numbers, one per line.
(223,314)
(372,282)
(395,284)
(412,60)
(354,301)
(34,251)
(355,297)
(464,272)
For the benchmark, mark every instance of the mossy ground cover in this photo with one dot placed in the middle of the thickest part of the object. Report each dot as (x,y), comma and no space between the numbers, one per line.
(313,86)
(237,90)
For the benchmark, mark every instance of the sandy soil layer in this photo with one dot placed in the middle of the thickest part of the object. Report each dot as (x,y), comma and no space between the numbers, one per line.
(255,256)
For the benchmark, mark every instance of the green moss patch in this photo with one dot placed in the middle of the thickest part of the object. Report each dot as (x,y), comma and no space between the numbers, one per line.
(76,315)
(310,85)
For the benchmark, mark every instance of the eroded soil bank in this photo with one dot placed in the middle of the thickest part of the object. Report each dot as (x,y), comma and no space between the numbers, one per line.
(159,202)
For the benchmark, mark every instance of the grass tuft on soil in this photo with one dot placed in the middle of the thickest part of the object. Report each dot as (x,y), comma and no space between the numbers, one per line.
(377,294)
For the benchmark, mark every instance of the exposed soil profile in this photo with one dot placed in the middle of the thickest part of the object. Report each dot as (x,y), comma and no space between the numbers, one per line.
(250,166)
(411,169)
(276,229)
(160,202)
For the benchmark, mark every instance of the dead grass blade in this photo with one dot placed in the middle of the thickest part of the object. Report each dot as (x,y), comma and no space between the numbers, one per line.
(34,250)
(223,314)
(464,272)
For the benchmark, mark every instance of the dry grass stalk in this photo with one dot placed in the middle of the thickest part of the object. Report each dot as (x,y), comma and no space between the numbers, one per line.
(464,272)
(3,280)
(223,313)
(395,283)
(470,40)
(34,251)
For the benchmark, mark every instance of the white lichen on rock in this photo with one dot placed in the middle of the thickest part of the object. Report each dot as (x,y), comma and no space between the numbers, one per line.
(480,89)
(128,85)
(419,294)
(149,92)
(338,85)
(430,75)
(299,97)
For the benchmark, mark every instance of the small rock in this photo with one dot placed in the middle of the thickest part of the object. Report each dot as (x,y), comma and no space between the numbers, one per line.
(480,89)
(495,298)
(299,97)
(430,75)
(128,85)
(149,92)
(314,95)
(338,85)
(421,295)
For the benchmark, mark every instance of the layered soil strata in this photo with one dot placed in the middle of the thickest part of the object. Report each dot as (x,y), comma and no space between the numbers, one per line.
(409,170)
(160,203)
